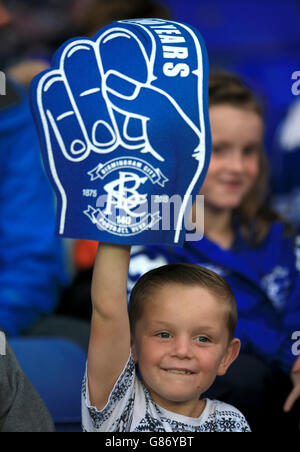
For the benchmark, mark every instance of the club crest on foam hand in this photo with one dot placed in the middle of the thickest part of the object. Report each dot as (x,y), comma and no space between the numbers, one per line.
(123,121)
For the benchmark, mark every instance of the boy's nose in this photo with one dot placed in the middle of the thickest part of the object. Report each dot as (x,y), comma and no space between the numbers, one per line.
(182,348)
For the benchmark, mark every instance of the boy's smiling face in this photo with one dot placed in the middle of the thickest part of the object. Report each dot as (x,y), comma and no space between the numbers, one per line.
(181,344)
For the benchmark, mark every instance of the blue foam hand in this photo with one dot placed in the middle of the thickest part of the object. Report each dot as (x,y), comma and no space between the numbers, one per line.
(124,131)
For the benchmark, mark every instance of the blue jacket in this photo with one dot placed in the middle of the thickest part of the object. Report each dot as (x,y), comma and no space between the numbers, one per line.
(31,259)
(265,281)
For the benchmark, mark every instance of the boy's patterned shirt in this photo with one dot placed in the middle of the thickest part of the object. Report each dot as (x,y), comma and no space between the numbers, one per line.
(130,408)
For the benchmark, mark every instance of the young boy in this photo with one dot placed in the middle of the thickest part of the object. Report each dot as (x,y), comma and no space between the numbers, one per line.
(180,333)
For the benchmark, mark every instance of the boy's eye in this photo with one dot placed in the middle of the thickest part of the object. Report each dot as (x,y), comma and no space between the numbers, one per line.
(202,339)
(164,335)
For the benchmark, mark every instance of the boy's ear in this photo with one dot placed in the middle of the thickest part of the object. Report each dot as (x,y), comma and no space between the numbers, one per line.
(231,354)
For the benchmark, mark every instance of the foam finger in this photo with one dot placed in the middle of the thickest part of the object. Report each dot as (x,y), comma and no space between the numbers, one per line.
(57,113)
(83,79)
(114,48)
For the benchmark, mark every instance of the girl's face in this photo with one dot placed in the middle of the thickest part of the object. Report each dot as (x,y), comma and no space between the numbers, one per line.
(237,137)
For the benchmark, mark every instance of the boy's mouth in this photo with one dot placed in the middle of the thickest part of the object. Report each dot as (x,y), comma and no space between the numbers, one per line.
(179,371)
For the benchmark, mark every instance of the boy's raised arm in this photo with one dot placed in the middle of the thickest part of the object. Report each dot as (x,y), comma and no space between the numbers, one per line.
(109,345)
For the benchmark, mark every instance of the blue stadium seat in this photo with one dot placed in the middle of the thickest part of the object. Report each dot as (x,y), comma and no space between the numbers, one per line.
(55,367)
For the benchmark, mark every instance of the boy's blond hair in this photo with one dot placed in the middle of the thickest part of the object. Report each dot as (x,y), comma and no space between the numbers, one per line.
(184,274)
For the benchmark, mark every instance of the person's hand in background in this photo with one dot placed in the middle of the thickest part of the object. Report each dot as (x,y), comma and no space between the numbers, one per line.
(295,392)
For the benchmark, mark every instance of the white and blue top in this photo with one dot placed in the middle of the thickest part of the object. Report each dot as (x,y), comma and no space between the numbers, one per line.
(130,408)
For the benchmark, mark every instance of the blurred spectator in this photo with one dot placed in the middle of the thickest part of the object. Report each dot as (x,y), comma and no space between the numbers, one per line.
(24,71)
(32,260)
(37,28)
